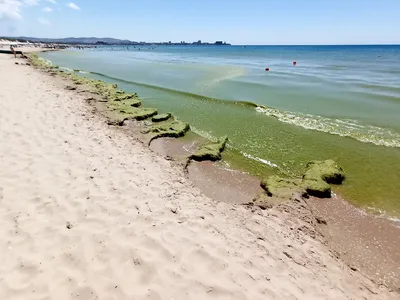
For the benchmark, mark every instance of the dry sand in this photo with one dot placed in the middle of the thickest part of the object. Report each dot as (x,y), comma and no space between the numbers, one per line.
(88,213)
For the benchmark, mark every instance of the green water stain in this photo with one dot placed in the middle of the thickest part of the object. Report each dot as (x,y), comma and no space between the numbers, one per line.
(373,171)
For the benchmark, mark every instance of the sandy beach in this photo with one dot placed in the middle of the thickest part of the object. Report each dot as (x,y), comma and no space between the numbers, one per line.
(87,212)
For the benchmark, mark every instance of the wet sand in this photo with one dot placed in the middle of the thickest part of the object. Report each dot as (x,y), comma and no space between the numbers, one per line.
(367,243)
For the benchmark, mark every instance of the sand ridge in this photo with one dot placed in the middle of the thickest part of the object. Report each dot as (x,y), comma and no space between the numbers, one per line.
(89,213)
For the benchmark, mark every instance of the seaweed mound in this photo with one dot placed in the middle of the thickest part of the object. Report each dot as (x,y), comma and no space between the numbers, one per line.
(317,188)
(136,113)
(282,187)
(211,151)
(161,117)
(328,171)
(315,181)
(120,106)
(170,128)
(37,62)
(126,106)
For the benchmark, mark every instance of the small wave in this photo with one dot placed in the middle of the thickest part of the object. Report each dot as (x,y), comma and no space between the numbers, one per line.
(202,133)
(346,128)
(383,214)
(397,220)
(177,92)
(335,67)
(264,161)
(67,69)
(226,165)
(371,86)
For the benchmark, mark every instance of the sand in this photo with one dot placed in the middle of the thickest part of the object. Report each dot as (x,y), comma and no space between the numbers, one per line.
(367,243)
(87,212)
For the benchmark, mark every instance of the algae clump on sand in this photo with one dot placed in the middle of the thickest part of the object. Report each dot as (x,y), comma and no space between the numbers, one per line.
(161,117)
(318,176)
(169,128)
(314,182)
(38,62)
(317,188)
(135,113)
(210,151)
(121,106)
(284,187)
(328,171)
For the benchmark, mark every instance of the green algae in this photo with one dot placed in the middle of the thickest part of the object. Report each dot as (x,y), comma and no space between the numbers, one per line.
(161,117)
(317,188)
(37,62)
(314,182)
(121,96)
(275,186)
(282,187)
(125,107)
(328,171)
(170,128)
(121,106)
(211,151)
(109,92)
(134,113)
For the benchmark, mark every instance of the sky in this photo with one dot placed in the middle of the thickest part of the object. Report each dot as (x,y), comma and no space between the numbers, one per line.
(259,22)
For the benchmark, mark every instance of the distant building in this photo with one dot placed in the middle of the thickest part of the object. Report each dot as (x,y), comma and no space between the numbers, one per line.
(219,43)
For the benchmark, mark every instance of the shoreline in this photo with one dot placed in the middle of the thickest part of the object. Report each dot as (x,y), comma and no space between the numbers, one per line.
(242,188)
(273,216)
(377,190)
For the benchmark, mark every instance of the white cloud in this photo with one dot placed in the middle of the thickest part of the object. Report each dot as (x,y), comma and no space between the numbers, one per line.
(73,6)
(10,10)
(31,2)
(43,21)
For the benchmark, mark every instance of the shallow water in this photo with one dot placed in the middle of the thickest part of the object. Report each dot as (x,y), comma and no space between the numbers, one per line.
(339,102)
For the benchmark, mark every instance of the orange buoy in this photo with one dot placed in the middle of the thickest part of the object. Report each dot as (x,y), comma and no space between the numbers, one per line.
(267,69)
(294,63)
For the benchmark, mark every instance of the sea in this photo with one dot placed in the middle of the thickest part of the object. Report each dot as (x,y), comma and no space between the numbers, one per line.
(336,102)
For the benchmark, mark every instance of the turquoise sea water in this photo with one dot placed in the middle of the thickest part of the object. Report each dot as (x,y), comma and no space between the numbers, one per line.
(340,102)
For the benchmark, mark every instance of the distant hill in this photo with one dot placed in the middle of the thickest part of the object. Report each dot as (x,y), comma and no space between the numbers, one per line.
(73,40)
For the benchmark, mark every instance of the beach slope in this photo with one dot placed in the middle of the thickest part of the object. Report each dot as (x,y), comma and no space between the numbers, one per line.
(88,213)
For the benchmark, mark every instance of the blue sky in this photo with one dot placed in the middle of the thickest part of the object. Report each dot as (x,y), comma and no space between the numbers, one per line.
(235,21)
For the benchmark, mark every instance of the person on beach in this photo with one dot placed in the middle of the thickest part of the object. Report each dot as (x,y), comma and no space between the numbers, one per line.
(13,51)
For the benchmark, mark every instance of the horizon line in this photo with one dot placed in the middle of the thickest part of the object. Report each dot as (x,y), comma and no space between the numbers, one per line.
(124,39)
